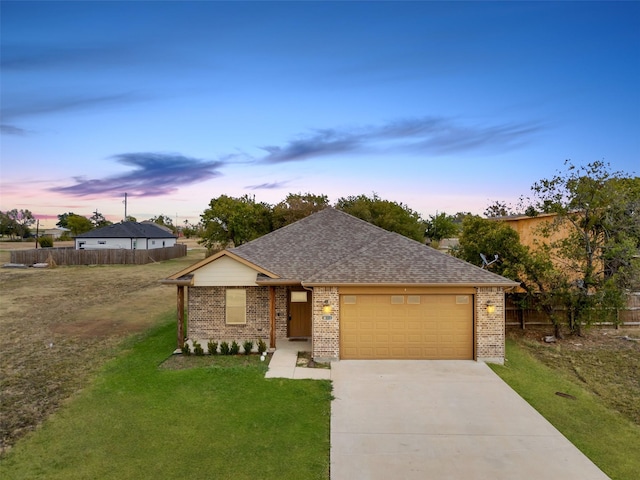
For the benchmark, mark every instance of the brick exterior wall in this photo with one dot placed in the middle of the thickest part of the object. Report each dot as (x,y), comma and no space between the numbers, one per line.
(490,327)
(326,333)
(206,320)
(206,315)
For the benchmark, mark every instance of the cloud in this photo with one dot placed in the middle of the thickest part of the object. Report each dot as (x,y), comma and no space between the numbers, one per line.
(267,186)
(13,130)
(153,174)
(432,135)
(37,57)
(37,106)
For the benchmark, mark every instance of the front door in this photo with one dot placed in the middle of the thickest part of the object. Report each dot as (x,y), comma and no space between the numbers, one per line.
(299,313)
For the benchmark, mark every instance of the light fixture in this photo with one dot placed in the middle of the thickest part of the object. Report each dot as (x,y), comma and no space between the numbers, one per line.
(326,308)
(491,308)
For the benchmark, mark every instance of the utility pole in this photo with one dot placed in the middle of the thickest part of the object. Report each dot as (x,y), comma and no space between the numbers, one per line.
(125,206)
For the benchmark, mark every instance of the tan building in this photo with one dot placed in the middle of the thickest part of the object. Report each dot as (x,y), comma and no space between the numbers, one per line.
(529,228)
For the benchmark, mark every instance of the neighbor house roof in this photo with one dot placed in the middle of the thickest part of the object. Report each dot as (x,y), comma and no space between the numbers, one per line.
(128,230)
(331,247)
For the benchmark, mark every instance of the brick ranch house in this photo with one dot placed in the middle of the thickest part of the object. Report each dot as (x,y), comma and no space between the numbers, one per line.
(358,291)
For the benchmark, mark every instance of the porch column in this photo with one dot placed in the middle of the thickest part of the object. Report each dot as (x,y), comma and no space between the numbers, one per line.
(272,317)
(180,316)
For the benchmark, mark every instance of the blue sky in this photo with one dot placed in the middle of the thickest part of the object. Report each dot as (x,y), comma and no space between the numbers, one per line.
(443,106)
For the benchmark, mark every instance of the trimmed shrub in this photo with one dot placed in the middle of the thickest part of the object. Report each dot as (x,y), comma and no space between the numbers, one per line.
(262,347)
(46,242)
(197,349)
(224,348)
(235,348)
(185,349)
(212,347)
(248,346)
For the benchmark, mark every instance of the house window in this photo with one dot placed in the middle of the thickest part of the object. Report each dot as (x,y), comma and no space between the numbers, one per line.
(413,299)
(236,306)
(299,297)
(397,299)
(102,242)
(153,242)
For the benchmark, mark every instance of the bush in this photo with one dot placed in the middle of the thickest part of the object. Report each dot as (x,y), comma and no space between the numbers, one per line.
(235,348)
(46,242)
(212,347)
(262,347)
(224,348)
(185,349)
(197,349)
(248,346)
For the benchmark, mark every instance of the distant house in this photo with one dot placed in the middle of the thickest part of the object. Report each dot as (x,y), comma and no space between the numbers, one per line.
(56,233)
(126,235)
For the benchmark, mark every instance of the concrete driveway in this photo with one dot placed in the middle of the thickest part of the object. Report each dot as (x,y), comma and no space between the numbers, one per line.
(441,420)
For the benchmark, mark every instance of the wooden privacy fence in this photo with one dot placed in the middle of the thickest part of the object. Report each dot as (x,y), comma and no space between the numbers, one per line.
(515,315)
(111,256)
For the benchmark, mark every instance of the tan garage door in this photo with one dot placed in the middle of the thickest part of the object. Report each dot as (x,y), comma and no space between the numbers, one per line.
(433,327)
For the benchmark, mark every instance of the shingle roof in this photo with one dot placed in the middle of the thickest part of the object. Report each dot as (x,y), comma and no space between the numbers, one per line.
(333,248)
(128,230)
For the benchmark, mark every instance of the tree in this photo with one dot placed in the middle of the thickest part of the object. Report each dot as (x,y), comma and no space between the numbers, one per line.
(499,209)
(7,226)
(491,238)
(20,220)
(541,284)
(63,219)
(296,207)
(234,221)
(392,216)
(78,224)
(441,226)
(98,220)
(130,219)
(190,230)
(165,221)
(597,257)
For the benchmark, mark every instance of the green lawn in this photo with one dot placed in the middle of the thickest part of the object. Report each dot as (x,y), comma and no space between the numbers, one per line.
(606,437)
(139,421)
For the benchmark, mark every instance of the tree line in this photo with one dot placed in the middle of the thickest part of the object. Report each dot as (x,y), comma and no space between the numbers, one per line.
(232,221)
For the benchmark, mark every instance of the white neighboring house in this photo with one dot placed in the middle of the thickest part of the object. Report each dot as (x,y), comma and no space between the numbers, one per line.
(56,232)
(127,235)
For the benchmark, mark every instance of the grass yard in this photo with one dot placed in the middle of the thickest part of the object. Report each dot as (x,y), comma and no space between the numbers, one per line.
(60,325)
(590,421)
(139,420)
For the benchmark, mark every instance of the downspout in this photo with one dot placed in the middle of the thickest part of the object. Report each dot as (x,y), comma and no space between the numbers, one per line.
(272,317)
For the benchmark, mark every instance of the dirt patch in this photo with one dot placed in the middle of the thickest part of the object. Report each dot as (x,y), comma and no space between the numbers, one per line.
(604,360)
(305,361)
(61,324)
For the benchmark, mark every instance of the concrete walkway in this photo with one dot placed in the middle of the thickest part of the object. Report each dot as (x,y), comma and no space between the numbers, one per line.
(284,359)
(441,420)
